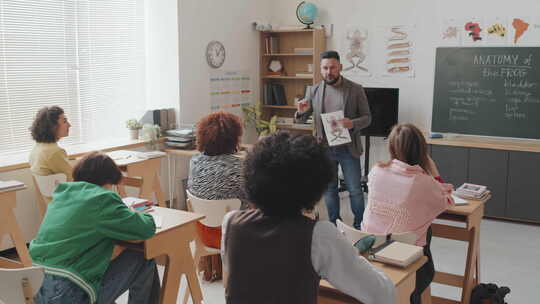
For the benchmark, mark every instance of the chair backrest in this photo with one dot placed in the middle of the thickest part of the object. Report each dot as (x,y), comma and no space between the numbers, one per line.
(214,210)
(19,285)
(47,183)
(354,235)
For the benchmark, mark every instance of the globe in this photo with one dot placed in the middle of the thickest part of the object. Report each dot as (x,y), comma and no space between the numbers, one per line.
(306,12)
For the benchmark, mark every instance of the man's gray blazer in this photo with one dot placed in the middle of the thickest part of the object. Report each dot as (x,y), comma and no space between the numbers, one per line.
(355,107)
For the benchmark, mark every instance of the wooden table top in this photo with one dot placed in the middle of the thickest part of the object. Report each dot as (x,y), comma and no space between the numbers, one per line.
(172,218)
(396,274)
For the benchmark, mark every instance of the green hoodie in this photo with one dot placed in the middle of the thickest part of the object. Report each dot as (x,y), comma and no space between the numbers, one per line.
(78,233)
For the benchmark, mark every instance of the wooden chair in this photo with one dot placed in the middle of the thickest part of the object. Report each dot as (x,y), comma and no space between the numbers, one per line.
(45,185)
(214,210)
(19,285)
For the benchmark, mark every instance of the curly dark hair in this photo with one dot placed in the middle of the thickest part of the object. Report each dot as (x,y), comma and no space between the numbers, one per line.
(45,124)
(219,133)
(98,169)
(286,174)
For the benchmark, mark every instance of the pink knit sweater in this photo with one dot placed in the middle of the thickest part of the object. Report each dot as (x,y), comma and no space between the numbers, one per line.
(403,198)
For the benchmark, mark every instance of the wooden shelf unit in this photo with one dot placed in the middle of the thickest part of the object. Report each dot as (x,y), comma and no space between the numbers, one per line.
(293,63)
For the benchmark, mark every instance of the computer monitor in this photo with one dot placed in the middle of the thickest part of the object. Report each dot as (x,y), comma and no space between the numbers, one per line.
(384,107)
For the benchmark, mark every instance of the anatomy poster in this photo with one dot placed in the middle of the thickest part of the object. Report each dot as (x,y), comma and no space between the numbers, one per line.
(474,31)
(451,31)
(524,30)
(496,30)
(229,91)
(398,50)
(355,52)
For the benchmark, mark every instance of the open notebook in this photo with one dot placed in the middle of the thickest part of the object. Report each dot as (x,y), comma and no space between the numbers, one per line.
(397,253)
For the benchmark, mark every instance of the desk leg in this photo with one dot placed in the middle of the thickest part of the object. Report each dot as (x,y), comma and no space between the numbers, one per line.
(405,289)
(469,280)
(191,276)
(181,262)
(156,187)
(12,228)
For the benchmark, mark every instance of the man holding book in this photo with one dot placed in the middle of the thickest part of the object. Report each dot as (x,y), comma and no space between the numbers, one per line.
(334,94)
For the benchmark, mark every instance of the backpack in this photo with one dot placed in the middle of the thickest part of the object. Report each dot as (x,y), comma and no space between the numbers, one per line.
(489,294)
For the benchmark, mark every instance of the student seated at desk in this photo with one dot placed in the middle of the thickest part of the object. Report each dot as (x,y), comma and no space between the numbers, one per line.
(76,239)
(274,254)
(47,158)
(216,174)
(406,194)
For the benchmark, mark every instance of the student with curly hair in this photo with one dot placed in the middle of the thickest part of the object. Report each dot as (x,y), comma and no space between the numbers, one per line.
(216,173)
(47,158)
(75,241)
(274,254)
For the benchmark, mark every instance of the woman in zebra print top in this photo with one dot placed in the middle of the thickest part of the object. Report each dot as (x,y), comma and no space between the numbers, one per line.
(216,173)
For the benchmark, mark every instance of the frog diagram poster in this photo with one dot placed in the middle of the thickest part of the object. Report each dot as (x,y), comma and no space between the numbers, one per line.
(355,54)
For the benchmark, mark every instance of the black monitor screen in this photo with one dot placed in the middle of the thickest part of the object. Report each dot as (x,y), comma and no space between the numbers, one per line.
(384,105)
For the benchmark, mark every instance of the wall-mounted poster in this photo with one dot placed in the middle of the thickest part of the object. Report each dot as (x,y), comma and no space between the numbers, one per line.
(474,31)
(524,30)
(496,30)
(229,91)
(398,50)
(355,52)
(451,31)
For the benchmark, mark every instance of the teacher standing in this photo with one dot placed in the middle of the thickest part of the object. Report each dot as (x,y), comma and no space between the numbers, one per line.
(336,93)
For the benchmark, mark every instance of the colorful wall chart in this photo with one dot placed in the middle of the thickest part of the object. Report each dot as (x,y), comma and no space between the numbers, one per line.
(230,90)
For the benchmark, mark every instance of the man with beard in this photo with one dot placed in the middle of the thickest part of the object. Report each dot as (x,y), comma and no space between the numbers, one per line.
(336,93)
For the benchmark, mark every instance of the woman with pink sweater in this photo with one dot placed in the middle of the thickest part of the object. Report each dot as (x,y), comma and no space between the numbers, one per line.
(406,194)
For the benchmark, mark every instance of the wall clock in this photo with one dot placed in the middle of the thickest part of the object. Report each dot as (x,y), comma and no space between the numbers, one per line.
(215,54)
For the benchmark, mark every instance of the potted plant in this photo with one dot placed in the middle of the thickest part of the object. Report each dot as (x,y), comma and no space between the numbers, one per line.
(253,117)
(134,126)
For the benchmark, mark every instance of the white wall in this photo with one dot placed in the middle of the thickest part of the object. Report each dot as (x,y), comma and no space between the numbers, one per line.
(416,94)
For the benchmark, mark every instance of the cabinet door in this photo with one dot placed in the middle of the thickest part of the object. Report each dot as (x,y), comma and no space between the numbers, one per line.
(523,185)
(490,167)
(452,163)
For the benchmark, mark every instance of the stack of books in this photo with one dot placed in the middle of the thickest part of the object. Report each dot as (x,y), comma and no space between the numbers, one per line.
(11,185)
(183,138)
(472,191)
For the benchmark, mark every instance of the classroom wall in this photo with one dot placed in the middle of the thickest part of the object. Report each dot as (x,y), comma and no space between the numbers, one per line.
(416,93)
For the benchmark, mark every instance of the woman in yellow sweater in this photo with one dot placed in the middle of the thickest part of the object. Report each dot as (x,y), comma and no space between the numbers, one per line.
(47,157)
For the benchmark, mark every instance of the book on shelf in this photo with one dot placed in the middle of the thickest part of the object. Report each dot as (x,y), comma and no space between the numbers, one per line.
(280,98)
(397,253)
(296,126)
(304,74)
(271,45)
(307,51)
(11,185)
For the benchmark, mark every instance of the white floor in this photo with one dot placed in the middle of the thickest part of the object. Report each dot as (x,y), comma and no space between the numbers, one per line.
(510,255)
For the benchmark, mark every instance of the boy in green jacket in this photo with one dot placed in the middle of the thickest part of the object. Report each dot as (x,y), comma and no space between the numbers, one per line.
(76,239)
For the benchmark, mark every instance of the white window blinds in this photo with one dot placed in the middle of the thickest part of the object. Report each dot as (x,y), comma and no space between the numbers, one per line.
(85,56)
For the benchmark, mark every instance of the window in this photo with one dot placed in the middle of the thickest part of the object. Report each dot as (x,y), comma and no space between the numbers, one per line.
(86,56)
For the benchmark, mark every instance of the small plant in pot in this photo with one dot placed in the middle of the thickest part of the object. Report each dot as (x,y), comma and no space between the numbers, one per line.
(134,126)
(253,116)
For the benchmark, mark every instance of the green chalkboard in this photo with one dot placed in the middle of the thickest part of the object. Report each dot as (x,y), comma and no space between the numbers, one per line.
(492,91)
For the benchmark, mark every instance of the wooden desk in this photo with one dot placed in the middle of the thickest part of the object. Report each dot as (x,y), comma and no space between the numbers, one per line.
(9,225)
(471,215)
(404,279)
(172,240)
(148,169)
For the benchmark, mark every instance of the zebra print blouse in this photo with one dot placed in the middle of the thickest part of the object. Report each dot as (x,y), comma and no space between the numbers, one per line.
(216,177)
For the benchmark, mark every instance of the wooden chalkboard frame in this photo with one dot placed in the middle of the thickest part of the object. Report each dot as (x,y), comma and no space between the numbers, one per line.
(489,91)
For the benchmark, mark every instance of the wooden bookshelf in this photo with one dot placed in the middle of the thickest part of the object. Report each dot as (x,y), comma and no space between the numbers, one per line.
(293,63)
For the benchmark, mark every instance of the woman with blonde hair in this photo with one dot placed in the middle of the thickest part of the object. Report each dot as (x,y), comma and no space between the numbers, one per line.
(406,194)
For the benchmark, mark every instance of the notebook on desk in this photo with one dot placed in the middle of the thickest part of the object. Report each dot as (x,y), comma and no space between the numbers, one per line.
(397,254)
(11,185)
